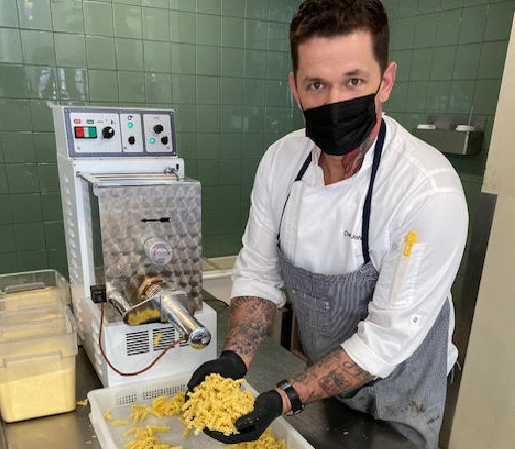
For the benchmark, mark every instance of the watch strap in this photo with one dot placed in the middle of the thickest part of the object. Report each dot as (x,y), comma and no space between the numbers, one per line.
(296,404)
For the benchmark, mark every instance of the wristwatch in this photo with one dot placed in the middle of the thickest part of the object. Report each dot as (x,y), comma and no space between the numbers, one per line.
(296,404)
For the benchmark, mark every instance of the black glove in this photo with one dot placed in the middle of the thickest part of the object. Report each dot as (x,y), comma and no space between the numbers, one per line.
(229,364)
(267,407)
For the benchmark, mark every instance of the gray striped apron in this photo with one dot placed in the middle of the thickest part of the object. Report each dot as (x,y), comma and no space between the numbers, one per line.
(328,309)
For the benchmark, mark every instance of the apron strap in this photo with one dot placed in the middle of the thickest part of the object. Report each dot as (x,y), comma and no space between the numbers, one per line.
(367,207)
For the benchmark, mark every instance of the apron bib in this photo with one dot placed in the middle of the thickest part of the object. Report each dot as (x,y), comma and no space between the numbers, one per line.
(328,309)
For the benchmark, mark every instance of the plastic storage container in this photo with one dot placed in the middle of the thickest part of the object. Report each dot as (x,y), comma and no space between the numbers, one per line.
(119,400)
(33,288)
(37,366)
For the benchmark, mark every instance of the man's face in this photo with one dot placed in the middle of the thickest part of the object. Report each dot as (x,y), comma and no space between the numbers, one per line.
(339,68)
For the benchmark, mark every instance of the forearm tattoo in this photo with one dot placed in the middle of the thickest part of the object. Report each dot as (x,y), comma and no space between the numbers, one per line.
(250,319)
(336,373)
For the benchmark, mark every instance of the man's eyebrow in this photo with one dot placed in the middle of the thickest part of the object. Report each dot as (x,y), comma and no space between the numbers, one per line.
(357,72)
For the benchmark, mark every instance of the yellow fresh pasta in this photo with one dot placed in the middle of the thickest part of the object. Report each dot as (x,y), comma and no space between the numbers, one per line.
(83,403)
(120,423)
(157,338)
(217,403)
(107,415)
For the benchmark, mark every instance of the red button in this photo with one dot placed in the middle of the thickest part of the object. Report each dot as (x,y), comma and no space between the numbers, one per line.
(79,132)
(76,121)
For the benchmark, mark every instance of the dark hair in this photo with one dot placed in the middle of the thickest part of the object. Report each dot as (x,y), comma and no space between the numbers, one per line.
(329,18)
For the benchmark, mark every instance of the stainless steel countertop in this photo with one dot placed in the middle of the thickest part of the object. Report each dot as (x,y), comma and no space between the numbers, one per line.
(327,424)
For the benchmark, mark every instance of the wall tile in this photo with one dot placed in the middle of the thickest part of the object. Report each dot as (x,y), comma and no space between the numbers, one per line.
(230,194)
(17,146)
(32,260)
(22,178)
(129,2)
(462,94)
(208,172)
(425,30)
(431,6)
(230,146)
(253,122)
(54,235)
(438,97)
(48,178)
(183,5)
(253,92)
(51,206)
(208,90)
(448,27)
(443,63)
(156,24)
(186,118)
(281,10)
(10,45)
(183,88)
(421,63)
(70,50)
(231,119)
(417,96)
(129,54)
(208,60)
(473,24)
(278,37)
(274,120)
(7,243)
(101,52)
(232,62)
(277,65)
(131,87)
(127,21)
(38,47)
(35,15)
(157,56)
(15,115)
(9,14)
(3,179)
(26,208)
(183,58)
(233,32)
(209,29)
(73,84)
(158,88)
(183,27)
(405,34)
(467,61)
(493,56)
(256,34)
(231,91)
(103,85)
(67,15)
(255,64)
(208,146)
(407,7)
(42,82)
(209,6)
(98,19)
(486,96)
(56,259)
(5,212)
(12,81)
(187,146)
(233,8)
(276,93)
(499,22)
(44,144)
(156,3)
(41,116)
(257,9)
(29,236)
(208,119)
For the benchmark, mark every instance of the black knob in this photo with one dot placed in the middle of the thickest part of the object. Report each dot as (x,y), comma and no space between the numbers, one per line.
(107,132)
(164,140)
(132,140)
(158,129)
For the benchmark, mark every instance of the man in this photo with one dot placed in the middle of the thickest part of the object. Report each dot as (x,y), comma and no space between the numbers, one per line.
(364,225)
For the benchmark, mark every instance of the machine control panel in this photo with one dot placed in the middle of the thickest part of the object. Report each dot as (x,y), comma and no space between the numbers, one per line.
(125,132)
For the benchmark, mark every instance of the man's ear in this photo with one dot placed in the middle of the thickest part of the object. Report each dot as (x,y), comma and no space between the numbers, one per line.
(388,82)
(293,87)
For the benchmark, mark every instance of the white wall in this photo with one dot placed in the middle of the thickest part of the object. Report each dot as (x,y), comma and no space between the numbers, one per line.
(485,414)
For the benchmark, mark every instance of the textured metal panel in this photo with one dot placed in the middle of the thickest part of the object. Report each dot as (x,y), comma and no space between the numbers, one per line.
(123,233)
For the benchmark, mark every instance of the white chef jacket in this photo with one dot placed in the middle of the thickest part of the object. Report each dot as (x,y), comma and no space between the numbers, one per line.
(416,189)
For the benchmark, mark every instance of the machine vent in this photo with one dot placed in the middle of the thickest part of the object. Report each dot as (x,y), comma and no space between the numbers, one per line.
(161,338)
(137,343)
(125,397)
(155,392)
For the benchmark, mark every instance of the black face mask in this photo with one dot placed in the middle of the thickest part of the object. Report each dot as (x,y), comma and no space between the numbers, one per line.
(339,128)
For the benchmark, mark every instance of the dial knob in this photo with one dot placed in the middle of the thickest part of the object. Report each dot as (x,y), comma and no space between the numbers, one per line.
(132,140)
(158,129)
(107,132)
(164,140)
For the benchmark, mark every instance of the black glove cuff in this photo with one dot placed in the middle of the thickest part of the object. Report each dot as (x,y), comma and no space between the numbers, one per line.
(237,361)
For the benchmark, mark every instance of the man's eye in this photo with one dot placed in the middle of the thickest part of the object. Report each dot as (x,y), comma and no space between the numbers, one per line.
(317,85)
(354,82)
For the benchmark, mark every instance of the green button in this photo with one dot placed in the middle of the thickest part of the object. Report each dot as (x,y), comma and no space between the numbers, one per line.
(130,125)
(92,132)
(152,141)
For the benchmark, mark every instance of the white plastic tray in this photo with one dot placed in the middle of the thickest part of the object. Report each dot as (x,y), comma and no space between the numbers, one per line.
(119,401)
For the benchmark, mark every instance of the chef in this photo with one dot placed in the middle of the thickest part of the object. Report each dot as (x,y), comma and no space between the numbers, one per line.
(363,225)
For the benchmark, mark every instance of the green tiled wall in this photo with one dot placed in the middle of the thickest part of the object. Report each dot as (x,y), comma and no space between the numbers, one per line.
(451,58)
(222,64)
